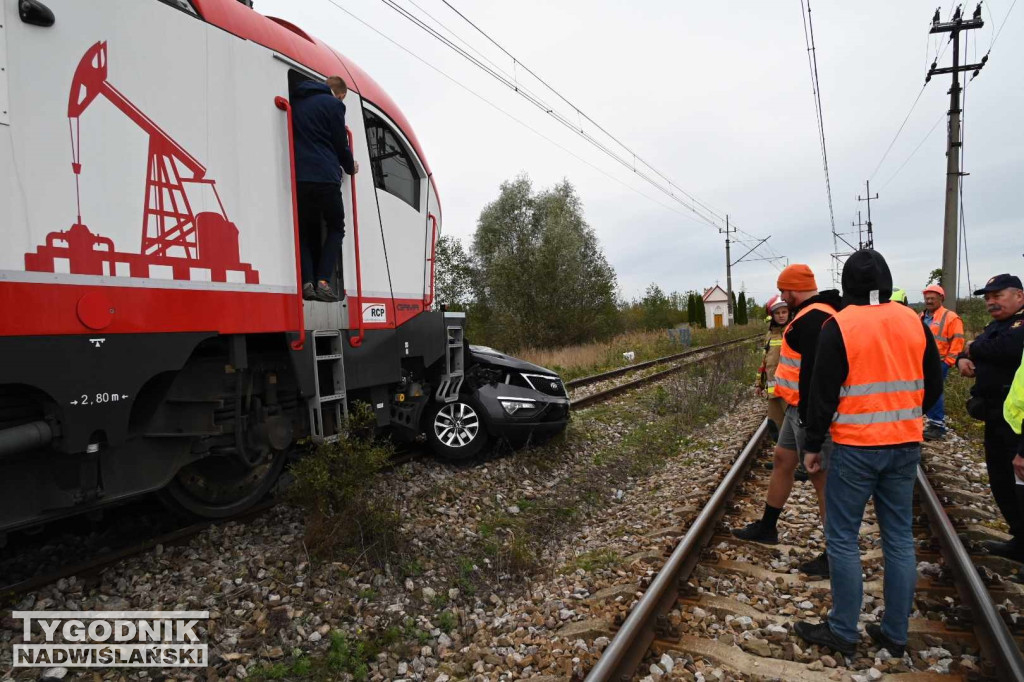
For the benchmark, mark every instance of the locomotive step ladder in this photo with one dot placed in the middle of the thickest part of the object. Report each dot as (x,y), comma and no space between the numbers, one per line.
(455,363)
(329,399)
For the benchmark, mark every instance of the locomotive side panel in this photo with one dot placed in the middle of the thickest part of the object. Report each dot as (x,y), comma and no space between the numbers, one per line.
(164,189)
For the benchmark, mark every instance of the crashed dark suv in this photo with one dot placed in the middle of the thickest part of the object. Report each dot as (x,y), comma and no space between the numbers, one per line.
(502,398)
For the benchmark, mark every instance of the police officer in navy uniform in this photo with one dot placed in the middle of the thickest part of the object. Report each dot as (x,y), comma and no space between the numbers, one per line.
(992,359)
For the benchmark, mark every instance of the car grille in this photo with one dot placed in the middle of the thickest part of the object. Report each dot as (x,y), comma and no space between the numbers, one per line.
(547,384)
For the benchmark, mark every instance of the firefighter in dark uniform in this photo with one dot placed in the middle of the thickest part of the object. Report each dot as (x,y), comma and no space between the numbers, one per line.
(992,359)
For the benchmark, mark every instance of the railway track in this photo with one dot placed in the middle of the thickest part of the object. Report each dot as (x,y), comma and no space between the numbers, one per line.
(688,607)
(94,564)
(688,358)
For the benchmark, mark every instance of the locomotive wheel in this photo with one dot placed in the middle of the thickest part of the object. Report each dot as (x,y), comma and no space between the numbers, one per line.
(220,486)
(456,430)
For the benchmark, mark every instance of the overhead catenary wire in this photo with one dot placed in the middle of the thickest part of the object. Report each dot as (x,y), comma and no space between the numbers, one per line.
(627,163)
(914,152)
(580,113)
(505,113)
(632,161)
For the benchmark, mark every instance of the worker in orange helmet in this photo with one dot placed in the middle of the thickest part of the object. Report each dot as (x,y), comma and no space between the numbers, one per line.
(811,308)
(778,318)
(948,330)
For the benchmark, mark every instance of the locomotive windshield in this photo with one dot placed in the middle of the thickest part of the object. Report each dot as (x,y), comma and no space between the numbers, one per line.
(390,162)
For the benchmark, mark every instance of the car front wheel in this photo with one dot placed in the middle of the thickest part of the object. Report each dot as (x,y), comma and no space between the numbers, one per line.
(456,430)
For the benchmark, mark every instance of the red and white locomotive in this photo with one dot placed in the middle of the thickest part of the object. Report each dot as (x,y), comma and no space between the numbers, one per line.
(153,335)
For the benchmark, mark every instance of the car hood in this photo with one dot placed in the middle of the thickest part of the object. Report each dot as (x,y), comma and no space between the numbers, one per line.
(489,356)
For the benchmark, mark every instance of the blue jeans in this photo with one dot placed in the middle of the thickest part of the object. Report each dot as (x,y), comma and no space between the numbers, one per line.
(854,475)
(937,415)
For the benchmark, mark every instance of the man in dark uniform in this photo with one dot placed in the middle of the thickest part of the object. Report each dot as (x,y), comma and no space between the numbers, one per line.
(992,359)
(321,153)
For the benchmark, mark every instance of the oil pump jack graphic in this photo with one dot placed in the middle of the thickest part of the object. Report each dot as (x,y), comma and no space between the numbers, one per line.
(172,235)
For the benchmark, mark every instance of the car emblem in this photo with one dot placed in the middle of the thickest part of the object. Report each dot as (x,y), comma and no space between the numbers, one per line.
(554,385)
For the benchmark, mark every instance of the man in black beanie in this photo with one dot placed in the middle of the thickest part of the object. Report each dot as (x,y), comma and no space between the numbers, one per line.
(877,370)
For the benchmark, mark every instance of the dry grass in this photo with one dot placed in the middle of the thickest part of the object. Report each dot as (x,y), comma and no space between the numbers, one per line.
(582,360)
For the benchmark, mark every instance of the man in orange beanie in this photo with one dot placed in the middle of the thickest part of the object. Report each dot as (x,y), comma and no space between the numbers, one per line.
(810,309)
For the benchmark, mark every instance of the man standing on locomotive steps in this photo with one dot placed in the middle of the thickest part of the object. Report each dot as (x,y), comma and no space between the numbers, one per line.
(792,382)
(321,152)
(876,372)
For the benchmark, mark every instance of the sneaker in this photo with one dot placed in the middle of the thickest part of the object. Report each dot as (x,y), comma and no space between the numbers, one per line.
(822,635)
(874,631)
(325,293)
(933,432)
(307,292)
(758,531)
(817,566)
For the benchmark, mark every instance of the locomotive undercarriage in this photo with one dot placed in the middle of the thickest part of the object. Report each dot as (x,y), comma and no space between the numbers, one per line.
(212,436)
(208,421)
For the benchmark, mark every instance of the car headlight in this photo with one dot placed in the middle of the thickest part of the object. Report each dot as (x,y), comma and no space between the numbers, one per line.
(513,405)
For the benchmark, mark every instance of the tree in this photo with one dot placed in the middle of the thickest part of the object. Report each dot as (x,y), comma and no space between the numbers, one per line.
(935,276)
(755,311)
(453,273)
(691,308)
(541,277)
(657,308)
(741,309)
(701,319)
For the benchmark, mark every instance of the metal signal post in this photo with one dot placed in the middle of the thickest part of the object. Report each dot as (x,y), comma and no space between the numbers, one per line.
(954,143)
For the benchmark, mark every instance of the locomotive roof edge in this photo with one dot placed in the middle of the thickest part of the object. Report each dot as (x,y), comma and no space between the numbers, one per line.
(296,43)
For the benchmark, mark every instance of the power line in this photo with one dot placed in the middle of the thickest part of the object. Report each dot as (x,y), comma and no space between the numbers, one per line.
(1012,4)
(900,130)
(938,55)
(543,106)
(507,114)
(580,113)
(705,212)
(821,118)
(918,147)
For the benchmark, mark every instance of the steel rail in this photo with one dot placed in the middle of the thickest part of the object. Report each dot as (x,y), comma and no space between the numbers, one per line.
(629,646)
(993,635)
(613,391)
(101,561)
(611,374)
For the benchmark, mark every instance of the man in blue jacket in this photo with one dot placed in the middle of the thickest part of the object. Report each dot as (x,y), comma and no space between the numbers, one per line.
(321,153)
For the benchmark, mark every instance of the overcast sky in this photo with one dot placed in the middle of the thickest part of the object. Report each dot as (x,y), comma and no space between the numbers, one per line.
(717,96)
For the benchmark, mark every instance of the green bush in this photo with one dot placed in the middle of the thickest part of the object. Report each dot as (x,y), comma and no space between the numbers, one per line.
(347,517)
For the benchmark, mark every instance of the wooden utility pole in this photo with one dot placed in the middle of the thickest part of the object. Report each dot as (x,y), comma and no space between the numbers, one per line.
(953,143)
(728,267)
(868,243)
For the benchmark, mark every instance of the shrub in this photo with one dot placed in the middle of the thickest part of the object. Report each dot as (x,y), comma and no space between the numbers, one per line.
(347,517)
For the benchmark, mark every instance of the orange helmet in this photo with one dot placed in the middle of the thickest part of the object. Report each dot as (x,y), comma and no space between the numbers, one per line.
(935,289)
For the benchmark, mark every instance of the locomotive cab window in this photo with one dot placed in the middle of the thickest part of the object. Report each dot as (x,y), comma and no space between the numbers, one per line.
(391,163)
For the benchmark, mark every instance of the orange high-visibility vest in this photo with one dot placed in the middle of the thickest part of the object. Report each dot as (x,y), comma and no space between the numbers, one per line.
(880,403)
(948,330)
(787,374)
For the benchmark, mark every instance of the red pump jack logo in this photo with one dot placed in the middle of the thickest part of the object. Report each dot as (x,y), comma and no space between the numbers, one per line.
(172,235)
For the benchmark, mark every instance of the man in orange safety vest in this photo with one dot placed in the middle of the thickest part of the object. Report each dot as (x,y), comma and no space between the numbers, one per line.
(948,330)
(877,370)
(798,288)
